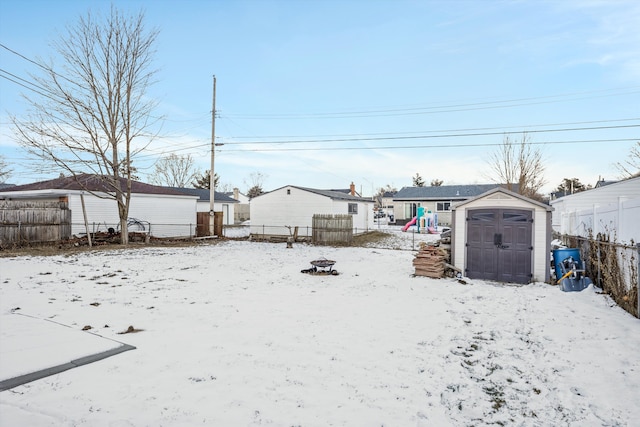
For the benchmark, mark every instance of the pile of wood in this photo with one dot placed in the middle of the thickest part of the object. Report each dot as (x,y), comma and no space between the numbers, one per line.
(430,261)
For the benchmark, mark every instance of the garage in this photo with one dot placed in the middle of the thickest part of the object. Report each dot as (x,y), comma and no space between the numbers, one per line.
(502,236)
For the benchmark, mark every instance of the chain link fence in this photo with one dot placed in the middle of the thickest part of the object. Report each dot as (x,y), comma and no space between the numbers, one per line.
(614,267)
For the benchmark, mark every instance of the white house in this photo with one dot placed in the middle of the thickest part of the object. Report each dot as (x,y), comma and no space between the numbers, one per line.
(437,199)
(502,236)
(613,209)
(291,206)
(159,211)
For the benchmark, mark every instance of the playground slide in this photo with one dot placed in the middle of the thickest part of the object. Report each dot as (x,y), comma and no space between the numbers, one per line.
(410,223)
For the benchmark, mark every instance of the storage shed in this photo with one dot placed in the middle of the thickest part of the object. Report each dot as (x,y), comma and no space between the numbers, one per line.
(502,236)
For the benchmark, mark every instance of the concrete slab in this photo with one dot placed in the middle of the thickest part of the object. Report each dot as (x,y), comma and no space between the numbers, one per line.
(33,348)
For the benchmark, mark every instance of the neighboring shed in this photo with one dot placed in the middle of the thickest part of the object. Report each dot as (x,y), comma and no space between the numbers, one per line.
(502,236)
(221,202)
(612,209)
(160,211)
(438,199)
(292,206)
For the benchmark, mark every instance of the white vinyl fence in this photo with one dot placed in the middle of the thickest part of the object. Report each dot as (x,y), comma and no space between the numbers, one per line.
(619,221)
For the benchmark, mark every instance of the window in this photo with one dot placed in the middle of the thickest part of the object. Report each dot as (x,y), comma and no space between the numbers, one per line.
(353,208)
(482,216)
(288,191)
(443,206)
(515,216)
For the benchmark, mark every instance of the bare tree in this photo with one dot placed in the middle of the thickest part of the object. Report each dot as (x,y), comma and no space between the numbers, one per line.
(223,187)
(254,184)
(418,181)
(94,106)
(630,168)
(5,172)
(174,171)
(519,166)
(381,192)
(436,182)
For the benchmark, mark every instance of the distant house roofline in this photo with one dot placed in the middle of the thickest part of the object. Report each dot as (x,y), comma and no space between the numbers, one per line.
(443,192)
(332,194)
(90,183)
(205,194)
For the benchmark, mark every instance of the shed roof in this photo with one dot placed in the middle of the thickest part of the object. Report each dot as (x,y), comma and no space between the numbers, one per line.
(505,191)
(443,192)
(95,183)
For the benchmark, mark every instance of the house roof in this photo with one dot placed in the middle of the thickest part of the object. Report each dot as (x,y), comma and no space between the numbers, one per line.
(332,194)
(4,185)
(343,190)
(505,191)
(602,183)
(232,195)
(443,192)
(205,194)
(88,182)
(629,187)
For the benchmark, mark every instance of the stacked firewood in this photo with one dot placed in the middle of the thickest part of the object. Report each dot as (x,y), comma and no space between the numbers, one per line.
(430,261)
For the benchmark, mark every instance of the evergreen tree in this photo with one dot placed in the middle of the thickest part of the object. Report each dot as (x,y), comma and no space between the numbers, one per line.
(418,181)
(204,180)
(571,185)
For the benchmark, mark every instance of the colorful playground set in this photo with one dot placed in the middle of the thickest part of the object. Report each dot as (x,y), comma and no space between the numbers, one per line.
(426,222)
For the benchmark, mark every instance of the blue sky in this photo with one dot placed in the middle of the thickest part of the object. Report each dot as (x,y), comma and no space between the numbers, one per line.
(325,93)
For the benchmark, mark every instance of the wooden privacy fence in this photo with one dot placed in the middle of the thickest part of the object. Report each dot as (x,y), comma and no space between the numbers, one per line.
(34,221)
(332,229)
(203,220)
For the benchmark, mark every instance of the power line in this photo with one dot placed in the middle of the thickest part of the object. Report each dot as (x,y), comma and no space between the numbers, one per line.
(24,57)
(453,135)
(440,109)
(396,147)
(439,131)
(390,111)
(24,85)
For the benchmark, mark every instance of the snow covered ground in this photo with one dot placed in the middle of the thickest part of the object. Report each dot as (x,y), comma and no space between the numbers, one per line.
(233,334)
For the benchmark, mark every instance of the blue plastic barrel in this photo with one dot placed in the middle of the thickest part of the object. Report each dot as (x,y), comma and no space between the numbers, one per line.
(560,255)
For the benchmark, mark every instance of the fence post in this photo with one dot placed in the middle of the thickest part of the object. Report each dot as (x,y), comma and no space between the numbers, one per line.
(599,276)
(638,279)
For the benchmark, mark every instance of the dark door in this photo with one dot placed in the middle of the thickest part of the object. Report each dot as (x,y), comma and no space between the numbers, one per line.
(499,245)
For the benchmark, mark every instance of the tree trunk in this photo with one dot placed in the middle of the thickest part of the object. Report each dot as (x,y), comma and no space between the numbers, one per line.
(124,231)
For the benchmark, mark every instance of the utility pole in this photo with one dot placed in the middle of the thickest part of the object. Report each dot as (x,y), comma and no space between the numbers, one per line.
(212,178)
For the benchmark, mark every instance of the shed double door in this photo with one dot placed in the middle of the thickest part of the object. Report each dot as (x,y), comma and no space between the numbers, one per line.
(499,245)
